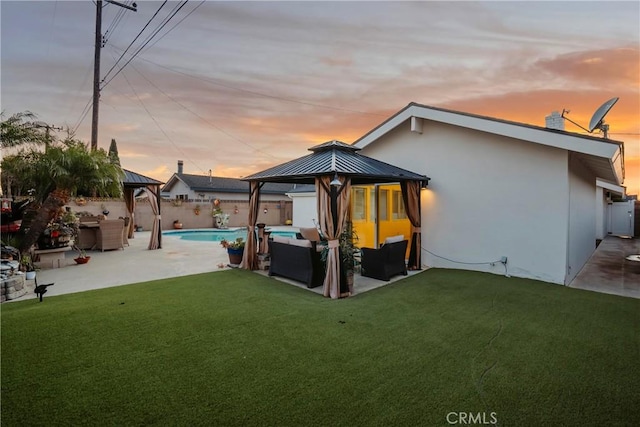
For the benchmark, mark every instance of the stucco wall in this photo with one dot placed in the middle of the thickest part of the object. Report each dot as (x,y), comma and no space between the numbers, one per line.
(582,217)
(601,213)
(489,197)
(277,212)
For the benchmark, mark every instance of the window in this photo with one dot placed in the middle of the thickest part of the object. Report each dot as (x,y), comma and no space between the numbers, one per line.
(359,204)
(372,203)
(398,206)
(383,205)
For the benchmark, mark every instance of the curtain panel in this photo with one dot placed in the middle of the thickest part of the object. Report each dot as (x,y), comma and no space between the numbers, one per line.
(411,197)
(332,228)
(250,255)
(155,242)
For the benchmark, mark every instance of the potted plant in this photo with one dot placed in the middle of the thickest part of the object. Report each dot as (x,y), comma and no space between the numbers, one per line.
(220,218)
(82,258)
(26,265)
(59,232)
(348,251)
(177,224)
(196,210)
(235,249)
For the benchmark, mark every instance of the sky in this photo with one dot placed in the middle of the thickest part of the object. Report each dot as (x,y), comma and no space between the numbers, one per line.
(237,87)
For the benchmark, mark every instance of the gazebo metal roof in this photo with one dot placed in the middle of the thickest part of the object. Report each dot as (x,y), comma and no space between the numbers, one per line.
(133,179)
(336,157)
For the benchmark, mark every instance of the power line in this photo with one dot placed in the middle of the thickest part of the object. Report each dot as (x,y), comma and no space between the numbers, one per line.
(98,43)
(158,124)
(84,81)
(84,113)
(114,24)
(133,41)
(281,98)
(204,119)
(145,44)
(172,28)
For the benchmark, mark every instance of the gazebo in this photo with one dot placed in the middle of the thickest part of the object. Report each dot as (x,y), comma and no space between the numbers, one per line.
(131,182)
(333,167)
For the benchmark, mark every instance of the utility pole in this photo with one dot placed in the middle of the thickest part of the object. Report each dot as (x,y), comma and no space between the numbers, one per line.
(96,68)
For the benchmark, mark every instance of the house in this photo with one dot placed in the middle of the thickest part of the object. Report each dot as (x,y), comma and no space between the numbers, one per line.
(184,186)
(500,190)
(231,194)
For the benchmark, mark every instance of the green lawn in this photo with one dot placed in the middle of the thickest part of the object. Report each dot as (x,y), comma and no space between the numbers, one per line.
(235,348)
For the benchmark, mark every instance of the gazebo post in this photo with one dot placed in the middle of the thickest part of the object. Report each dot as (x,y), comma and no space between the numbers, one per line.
(159,217)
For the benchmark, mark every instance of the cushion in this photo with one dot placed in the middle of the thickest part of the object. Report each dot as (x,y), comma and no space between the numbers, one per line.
(300,242)
(310,234)
(280,239)
(394,239)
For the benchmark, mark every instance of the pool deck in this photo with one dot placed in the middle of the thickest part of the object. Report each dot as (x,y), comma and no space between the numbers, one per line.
(178,257)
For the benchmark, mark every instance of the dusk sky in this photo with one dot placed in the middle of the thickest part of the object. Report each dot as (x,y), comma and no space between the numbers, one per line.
(237,87)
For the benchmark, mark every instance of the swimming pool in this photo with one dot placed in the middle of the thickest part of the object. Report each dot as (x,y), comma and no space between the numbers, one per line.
(216,235)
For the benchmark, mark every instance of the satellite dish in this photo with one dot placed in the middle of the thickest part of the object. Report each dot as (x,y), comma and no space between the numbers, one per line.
(597,120)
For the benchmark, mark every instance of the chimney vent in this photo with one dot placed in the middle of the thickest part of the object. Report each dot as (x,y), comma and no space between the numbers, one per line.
(555,121)
(180,166)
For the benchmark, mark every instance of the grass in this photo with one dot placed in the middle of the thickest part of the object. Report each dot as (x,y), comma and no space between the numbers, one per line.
(235,348)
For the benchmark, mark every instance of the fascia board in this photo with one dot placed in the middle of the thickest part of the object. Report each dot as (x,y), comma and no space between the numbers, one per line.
(539,136)
(618,189)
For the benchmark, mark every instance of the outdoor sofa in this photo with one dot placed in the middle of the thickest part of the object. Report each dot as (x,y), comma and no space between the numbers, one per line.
(296,259)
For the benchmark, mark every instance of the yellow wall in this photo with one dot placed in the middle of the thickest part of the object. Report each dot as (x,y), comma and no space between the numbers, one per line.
(363,215)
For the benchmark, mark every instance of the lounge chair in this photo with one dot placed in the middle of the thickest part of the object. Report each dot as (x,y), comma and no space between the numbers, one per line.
(386,262)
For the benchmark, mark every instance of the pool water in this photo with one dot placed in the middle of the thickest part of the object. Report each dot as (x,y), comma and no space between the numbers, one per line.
(216,235)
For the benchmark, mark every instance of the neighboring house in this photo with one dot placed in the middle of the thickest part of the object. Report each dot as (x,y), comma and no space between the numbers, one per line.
(497,189)
(188,187)
(230,195)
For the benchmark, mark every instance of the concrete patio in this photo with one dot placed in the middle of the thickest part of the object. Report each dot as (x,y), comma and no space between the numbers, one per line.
(609,271)
(136,264)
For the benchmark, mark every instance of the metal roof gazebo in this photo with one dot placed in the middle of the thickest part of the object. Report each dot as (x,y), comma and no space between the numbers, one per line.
(131,182)
(333,167)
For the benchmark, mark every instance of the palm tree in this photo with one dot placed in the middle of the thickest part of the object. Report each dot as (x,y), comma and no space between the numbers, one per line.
(59,171)
(20,129)
(16,175)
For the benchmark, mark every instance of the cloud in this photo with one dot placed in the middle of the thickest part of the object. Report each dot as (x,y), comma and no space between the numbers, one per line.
(617,67)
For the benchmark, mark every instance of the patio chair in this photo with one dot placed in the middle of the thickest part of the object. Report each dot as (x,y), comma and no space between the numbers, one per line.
(386,262)
(110,234)
(86,237)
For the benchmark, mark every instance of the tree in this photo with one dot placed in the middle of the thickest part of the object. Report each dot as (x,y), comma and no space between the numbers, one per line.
(20,129)
(17,176)
(58,173)
(113,152)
